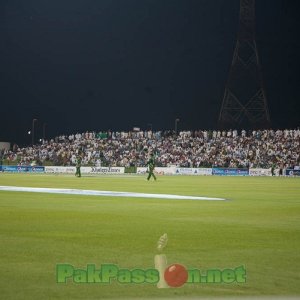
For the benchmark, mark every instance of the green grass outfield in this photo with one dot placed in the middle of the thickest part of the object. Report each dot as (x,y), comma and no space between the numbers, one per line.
(259,227)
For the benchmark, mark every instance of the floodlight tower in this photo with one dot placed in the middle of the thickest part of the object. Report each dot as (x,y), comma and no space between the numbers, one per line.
(244,102)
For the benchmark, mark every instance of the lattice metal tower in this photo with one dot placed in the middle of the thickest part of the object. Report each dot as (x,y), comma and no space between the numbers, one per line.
(244,102)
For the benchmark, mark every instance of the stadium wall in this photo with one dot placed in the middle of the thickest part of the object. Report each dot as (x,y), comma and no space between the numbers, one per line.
(143,170)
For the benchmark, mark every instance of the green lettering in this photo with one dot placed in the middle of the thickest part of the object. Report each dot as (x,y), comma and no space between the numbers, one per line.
(152,276)
(213,276)
(63,271)
(137,276)
(93,275)
(124,276)
(194,276)
(108,272)
(80,276)
(240,273)
(228,276)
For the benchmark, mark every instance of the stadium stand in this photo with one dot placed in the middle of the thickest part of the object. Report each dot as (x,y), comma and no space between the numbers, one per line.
(254,149)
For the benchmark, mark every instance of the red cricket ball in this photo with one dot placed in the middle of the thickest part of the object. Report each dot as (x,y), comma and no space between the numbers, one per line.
(176,275)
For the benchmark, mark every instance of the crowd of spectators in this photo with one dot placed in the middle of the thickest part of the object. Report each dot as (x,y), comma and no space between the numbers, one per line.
(232,148)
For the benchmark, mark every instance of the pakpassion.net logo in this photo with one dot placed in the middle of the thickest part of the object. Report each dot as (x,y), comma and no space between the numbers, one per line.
(174,275)
(164,276)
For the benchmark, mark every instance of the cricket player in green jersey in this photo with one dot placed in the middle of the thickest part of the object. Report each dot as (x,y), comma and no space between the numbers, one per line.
(78,166)
(151,166)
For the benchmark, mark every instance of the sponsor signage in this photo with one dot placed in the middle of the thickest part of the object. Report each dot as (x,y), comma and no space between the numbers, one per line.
(292,172)
(230,171)
(157,170)
(194,171)
(260,172)
(85,170)
(64,170)
(23,169)
(102,170)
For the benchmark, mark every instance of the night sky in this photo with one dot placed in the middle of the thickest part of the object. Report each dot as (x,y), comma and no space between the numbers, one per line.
(114,64)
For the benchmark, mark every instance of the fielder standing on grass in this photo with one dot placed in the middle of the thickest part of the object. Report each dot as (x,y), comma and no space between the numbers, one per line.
(78,166)
(151,166)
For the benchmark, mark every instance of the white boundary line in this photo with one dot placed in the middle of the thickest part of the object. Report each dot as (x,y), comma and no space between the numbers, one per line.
(103,193)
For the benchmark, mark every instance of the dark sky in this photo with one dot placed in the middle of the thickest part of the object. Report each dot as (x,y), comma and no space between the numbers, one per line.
(114,64)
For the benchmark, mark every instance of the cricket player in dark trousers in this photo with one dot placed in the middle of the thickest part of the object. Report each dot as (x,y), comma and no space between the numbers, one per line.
(151,166)
(78,166)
